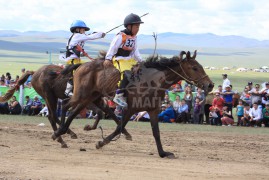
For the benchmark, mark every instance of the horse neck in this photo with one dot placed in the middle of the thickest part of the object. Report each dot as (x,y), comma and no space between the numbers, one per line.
(172,77)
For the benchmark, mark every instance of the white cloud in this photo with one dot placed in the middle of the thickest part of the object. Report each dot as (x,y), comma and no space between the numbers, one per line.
(242,17)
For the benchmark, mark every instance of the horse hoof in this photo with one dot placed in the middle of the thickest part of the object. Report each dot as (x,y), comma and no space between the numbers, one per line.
(129,138)
(74,136)
(168,155)
(99,145)
(54,137)
(87,127)
(64,146)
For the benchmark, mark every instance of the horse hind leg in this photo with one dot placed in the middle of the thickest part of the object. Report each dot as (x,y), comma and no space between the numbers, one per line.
(104,107)
(117,131)
(51,104)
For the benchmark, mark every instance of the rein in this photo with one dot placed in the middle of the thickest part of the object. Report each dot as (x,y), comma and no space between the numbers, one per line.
(187,78)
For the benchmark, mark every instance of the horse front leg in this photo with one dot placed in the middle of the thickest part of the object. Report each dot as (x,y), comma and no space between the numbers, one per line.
(156,133)
(65,126)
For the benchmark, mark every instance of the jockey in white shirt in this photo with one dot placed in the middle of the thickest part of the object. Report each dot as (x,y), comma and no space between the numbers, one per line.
(123,52)
(75,45)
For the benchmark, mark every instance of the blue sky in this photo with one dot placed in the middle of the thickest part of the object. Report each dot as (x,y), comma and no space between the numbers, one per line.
(248,18)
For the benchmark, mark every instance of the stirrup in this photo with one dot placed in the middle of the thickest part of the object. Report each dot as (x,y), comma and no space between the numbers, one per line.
(120,103)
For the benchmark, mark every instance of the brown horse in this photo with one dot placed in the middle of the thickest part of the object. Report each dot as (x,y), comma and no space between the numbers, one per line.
(49,82)
(143,94)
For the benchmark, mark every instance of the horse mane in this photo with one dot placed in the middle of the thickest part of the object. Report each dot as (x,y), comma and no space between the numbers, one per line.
(160,62)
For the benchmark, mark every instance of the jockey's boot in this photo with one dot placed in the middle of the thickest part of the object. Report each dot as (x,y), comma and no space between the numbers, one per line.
(120,100)
(69,90)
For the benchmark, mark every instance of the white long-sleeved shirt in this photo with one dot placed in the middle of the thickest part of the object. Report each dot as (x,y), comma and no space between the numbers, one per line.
(115,45)
(226,82)
(255,113)
(79,39)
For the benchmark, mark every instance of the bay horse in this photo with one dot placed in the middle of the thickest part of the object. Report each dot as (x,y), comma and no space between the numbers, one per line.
(143,94)
(49,82)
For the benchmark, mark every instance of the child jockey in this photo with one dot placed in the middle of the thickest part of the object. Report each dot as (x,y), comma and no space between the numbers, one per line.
(124,52)
(75,46)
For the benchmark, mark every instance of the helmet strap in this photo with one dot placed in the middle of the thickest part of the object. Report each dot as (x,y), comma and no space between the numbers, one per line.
(130,30)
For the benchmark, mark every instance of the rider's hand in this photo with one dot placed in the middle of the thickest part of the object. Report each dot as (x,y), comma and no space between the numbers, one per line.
(107,63)
(103,35)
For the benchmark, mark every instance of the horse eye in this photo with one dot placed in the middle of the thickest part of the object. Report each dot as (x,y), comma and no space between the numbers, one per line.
(194,68)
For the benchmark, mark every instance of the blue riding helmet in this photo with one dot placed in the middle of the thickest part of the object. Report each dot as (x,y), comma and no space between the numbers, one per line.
(78,24)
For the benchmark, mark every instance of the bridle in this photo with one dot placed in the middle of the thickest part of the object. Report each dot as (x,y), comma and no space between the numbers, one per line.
(187,78)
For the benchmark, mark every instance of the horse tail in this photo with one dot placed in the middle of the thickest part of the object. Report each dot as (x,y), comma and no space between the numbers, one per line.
(70,68)
(12,90)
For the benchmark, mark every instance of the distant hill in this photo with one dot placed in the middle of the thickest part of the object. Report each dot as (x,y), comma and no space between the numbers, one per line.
(212,49)
(207,40)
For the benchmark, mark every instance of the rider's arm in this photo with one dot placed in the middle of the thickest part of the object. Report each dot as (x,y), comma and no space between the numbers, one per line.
(77,38)
(114,46)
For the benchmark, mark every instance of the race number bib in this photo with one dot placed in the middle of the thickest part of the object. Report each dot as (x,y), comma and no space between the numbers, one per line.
(129,43)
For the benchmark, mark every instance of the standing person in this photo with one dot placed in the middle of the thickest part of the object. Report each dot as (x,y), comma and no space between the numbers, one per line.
(75,46)
(219,90)
(188,97)
(196,111)
(265,94)
(246,96)
(239,112)
(124,52)
(226,81)
(228,97)
(176,103)
(255,94)
(250,85)
(201,96)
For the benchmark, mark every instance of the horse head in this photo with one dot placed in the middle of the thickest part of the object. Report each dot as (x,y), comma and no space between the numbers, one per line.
(193,72)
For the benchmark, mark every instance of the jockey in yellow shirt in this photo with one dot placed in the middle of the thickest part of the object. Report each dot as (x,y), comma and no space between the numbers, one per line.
(75,46)
(123,53)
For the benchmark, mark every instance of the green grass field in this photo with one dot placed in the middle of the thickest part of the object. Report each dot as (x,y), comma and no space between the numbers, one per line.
(79,123)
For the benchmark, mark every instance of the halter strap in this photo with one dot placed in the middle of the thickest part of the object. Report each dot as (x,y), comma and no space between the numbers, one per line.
(188,78)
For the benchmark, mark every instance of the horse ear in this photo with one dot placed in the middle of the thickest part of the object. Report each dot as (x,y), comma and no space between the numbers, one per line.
(194,54)
(188,55)
(181,55)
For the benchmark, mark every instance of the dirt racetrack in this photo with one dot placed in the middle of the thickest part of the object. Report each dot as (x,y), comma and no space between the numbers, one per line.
(28,152)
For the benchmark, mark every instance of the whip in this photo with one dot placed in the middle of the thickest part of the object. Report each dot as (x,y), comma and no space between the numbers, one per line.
(123,24)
